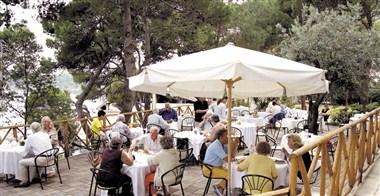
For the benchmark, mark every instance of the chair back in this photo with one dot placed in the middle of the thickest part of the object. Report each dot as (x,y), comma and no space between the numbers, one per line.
(177,172)
(302,125)
(202,152)
(244,113)
(102,177)
(47,158)
(188,123)
(207,167)
(94,158)
(148,126)
(171,132)
(255,183)
(272,142)
(185,154)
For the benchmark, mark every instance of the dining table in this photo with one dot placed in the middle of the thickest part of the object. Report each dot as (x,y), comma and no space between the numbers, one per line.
(138,171)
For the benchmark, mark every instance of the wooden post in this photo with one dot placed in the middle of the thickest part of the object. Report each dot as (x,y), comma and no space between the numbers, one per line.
(305,178)
(345,167)
(369,141)
(334,180)
(352,158)
(325,156)
(229,85)
(361,150)
(66,136)
(14,132)
(293,174)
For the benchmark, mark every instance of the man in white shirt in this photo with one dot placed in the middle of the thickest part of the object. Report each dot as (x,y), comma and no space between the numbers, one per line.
(122,128)
(155,118)
(150,141)
(221,109)
(276,108)
(36,143)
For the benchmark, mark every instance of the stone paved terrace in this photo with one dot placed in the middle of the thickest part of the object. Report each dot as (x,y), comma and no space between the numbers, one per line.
(76,182)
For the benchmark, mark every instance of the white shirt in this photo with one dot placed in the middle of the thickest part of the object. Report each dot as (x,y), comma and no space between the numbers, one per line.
(213,106)
(158,120)
(221,111)
(149,144)
(276,109)
(37,143)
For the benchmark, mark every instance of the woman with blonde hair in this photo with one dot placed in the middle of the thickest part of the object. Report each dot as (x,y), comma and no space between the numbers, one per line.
(294,143)
(48,127)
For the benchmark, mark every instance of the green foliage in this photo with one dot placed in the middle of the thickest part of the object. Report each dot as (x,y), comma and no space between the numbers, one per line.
(115,92)
(257,22)
(337,41)
(28,78)
(341,114)
(288,101)
(56,104)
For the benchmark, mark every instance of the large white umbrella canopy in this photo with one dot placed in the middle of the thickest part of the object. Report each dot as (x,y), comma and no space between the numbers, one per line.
(204,74)
(247,73)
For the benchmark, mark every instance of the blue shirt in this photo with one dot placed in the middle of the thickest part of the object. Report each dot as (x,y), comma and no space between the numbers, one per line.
(215,154)
(168,115)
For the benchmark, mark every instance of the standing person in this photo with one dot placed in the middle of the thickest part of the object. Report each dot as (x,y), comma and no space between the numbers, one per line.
(200,108)
(48,127)
(98,127)
(325,112)
(112,161)
(36,143)
(216,154)
(213,105)
(169,114)
(260,164)
(221,109)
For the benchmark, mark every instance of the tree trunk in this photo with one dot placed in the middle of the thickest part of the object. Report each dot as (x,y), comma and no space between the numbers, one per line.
(128,57)
(313,112)
(303,103)
(82,97)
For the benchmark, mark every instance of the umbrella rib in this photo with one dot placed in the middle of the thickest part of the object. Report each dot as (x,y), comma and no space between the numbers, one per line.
(283,86)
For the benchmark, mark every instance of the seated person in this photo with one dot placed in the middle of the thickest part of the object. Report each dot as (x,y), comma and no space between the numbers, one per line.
(295,142)
(48,127)
(149,141)
(36,143)
(98,127)
(122,128)
(165,160)
(156,119)
(211,136)
(206,123)
(260,164)
(112,161)
(169,114)
(216,154)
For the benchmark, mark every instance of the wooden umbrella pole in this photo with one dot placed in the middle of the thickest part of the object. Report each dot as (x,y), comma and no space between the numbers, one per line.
(229,84)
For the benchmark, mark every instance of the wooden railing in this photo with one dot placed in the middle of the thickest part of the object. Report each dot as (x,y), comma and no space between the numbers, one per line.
(75,125)
(357,148)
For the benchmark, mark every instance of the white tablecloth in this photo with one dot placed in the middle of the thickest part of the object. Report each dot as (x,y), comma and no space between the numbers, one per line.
(9,157)
(248,119)
(137,172)
(262,114)
(290,123)
(195,141)
(248,130)
(282,173)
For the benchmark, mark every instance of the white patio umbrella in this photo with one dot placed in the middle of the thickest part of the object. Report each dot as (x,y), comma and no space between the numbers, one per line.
(247,73)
